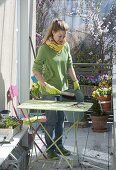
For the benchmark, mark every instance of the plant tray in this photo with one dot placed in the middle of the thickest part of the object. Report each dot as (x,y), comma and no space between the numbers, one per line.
(9,132)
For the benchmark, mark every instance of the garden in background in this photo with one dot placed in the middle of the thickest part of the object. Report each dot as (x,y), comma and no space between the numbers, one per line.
(91,36)
(92,27)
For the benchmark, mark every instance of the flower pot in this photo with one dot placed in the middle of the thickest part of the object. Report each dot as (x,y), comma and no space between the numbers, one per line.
(99,123)
(105,103)
(9,131)
(104,98)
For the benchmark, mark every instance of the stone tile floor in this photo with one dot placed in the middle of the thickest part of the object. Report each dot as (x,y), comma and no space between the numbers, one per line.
(94,151)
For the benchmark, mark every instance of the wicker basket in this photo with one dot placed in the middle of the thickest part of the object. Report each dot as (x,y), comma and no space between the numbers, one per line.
(87,90)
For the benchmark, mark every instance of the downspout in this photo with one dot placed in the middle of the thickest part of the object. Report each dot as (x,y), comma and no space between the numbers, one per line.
(24,51)
(32,35)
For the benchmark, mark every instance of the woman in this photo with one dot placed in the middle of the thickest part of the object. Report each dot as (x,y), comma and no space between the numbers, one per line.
(51,66)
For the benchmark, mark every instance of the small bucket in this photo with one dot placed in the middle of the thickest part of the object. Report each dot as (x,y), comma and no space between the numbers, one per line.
(4,113)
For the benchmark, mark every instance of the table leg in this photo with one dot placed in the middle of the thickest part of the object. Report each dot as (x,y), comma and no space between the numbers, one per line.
(54,142)
(33,133)
(75,131)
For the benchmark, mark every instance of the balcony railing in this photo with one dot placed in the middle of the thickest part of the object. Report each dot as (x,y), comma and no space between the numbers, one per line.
(92,68)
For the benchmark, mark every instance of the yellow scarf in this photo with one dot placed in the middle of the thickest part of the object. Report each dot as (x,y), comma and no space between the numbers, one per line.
(56,47)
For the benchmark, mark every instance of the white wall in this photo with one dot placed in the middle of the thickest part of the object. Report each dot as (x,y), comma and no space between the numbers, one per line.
(7,48)
(15,55)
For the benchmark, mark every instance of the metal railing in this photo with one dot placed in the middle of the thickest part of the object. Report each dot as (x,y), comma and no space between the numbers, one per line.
(92,68)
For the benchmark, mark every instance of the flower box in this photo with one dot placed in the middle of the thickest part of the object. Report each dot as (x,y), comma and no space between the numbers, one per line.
(10,131)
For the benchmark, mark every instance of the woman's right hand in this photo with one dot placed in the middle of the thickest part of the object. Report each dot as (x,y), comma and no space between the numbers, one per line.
(51,89)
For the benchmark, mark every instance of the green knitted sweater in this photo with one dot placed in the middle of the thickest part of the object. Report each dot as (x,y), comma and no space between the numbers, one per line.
(54,65)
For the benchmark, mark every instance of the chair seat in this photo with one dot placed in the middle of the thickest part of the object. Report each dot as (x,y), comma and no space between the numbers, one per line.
(28,121)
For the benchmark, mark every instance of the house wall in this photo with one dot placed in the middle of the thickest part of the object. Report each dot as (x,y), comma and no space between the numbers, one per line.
(17,22)
(7,48)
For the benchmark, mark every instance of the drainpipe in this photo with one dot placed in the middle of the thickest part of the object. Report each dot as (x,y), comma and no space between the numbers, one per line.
(25,26)
(23,63)
(32,35)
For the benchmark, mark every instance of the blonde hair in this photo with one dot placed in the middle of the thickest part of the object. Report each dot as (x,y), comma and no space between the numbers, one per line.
(56,25)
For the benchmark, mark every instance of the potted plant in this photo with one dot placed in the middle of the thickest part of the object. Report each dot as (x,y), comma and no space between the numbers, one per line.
(103,93)
(9,122)
(98,117)
(35,91)
(100,108)
(87,82)
(9,126)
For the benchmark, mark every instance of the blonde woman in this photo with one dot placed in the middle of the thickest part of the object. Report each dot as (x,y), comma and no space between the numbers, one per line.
(51,66)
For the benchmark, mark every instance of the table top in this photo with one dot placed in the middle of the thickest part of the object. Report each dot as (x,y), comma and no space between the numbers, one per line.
(6,149)
(55,105)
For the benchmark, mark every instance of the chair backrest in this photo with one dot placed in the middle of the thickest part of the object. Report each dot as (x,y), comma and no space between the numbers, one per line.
(11,94)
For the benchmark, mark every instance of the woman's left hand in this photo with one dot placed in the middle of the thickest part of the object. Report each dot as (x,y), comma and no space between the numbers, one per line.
(76,85)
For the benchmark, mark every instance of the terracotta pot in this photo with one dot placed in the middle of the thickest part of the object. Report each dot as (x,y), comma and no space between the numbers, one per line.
(104,98)
(99,123)
(105,102)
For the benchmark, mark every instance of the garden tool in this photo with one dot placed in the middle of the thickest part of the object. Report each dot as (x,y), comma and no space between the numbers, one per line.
(52,90)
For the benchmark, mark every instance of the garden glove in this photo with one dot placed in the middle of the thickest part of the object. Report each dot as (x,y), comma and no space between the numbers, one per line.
(51,89)
(76,85)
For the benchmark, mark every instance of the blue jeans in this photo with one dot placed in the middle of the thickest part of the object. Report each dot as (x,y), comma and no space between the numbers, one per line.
(55,119)
(54,124)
